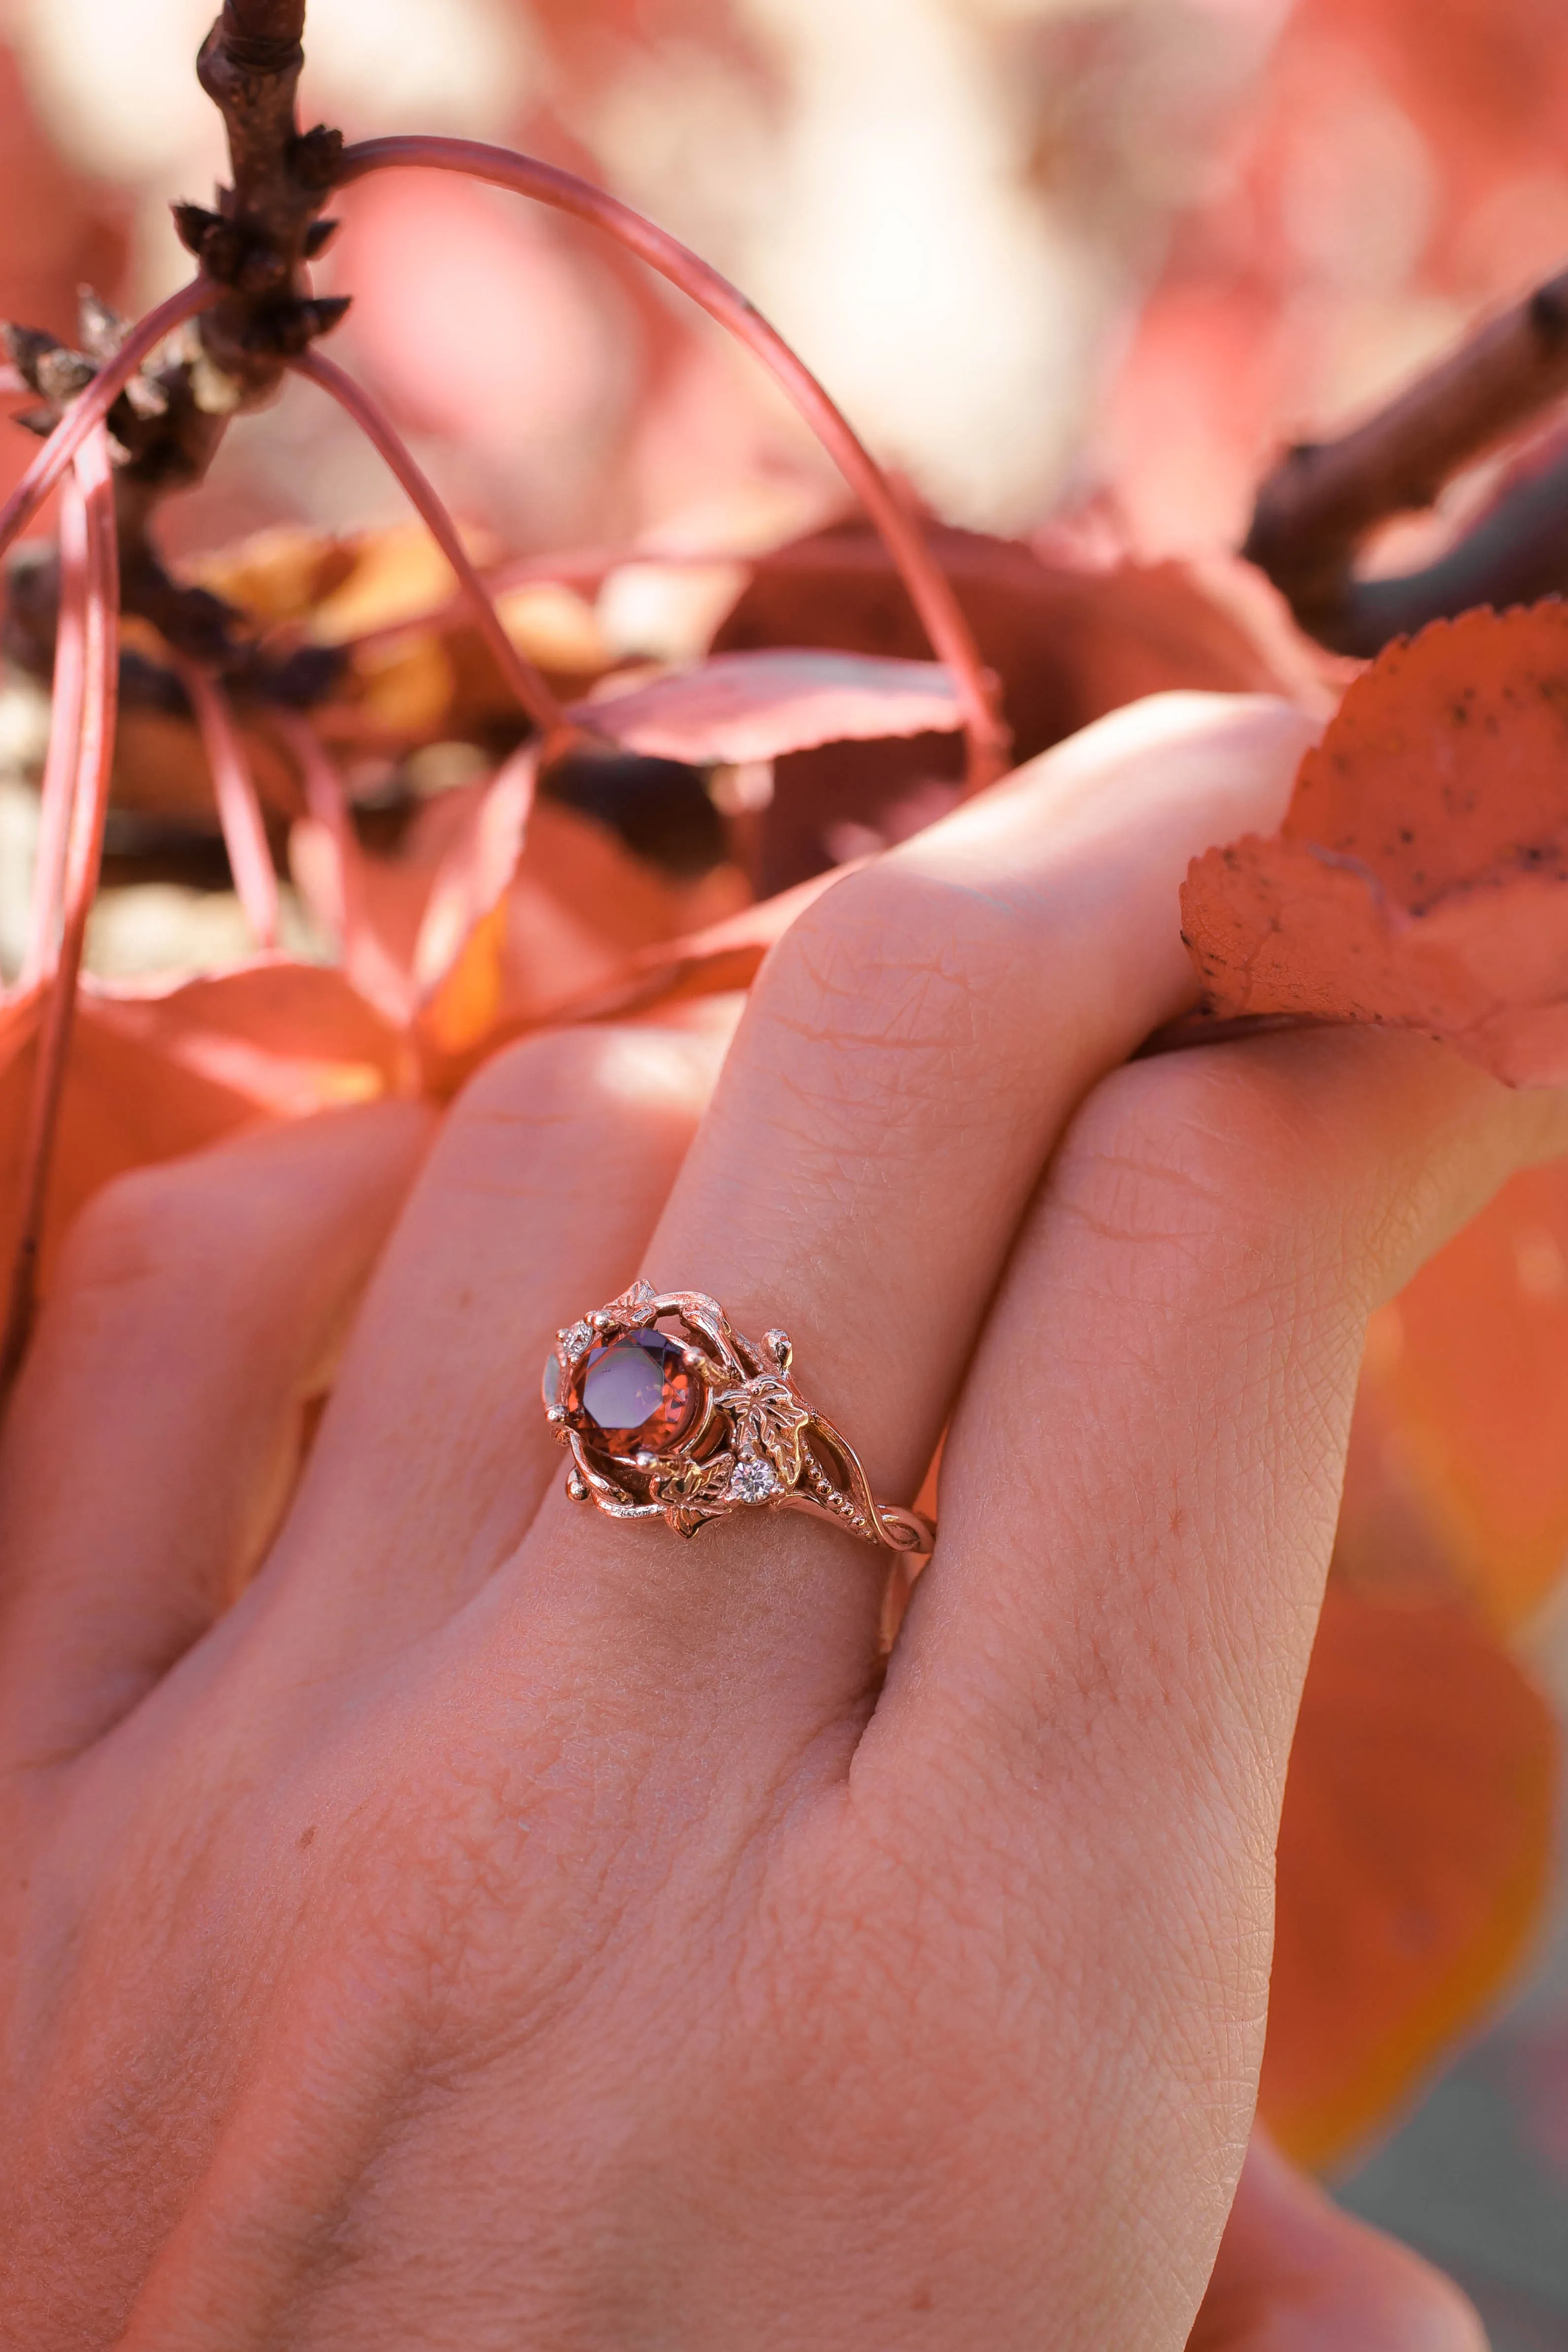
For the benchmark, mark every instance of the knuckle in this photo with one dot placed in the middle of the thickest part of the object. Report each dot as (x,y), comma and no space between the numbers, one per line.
(895,938)
(520,1081)
(143,1224)
(562,1073)
(1215,1151)
(886,998)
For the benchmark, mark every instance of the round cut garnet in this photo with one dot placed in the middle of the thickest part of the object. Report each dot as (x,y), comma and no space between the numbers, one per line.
(636,1394)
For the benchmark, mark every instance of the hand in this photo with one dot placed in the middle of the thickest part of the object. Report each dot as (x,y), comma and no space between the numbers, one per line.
(497,1926)
(1297,2274)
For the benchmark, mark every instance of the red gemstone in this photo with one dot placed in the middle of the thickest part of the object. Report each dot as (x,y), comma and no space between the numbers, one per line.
(636,1394)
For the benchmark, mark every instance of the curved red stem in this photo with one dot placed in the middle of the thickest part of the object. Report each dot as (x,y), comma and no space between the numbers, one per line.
(84,856)
(90,407)
(58,796)
(325,799)
(951,638)
(531,689)
(369,966)
(238,809)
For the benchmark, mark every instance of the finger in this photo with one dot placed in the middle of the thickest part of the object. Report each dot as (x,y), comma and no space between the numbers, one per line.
(908,1056)
(543,1187)
(156,1426)
(1160,1404)
(1090,1704)
(1297,2274)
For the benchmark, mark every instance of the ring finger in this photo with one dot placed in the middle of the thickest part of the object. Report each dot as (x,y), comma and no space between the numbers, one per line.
(907,1059)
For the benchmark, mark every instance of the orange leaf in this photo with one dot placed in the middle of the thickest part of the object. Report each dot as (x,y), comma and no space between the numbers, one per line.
(1419,876)
(158,1071)
(477,871)
(1415,1854)
(1460,1447)
(723,956)
(581,921)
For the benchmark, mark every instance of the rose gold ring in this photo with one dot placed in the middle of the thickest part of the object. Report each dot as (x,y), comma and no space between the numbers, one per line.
(669,1413)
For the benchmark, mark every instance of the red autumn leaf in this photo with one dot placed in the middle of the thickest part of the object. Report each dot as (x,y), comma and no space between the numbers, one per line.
(161,1070)
(1067,643)
(724,955)
(461,847)
(583,927)
(721,957)
(1459,1469)
(739,707)
(1419,876)
(476,871)
(1415,1854)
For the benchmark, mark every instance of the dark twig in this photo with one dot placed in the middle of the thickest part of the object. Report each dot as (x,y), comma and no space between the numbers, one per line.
(258,313)
(1316,508)
(266,226)
(93,405)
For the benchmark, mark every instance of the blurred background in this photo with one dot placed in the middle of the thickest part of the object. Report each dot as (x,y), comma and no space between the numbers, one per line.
(1054,257)
(1075,268)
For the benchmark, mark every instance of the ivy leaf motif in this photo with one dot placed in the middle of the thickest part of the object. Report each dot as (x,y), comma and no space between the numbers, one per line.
(767,1418)
(679,1486)
(686,1523)
(634,1308)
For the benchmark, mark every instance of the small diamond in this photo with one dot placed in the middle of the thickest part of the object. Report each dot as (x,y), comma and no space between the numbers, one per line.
(581,1336)
(752,1482)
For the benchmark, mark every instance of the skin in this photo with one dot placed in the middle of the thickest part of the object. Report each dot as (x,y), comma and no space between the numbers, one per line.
(434,1914)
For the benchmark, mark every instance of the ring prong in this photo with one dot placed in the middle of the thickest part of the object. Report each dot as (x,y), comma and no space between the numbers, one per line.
(576,1486)
(780,1346)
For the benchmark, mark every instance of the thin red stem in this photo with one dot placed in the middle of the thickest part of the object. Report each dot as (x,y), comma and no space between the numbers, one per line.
(327,803)
(58,794)
(369,966)
(238,809)
(531,689)
(325,798)
(90,407)
(84,856)
(950,636)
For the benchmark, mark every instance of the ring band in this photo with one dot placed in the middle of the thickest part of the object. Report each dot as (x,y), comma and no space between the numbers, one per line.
(670,1414)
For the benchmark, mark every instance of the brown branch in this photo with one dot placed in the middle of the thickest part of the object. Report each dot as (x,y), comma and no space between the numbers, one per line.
(1316,511)
(257,314)
(266,226)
